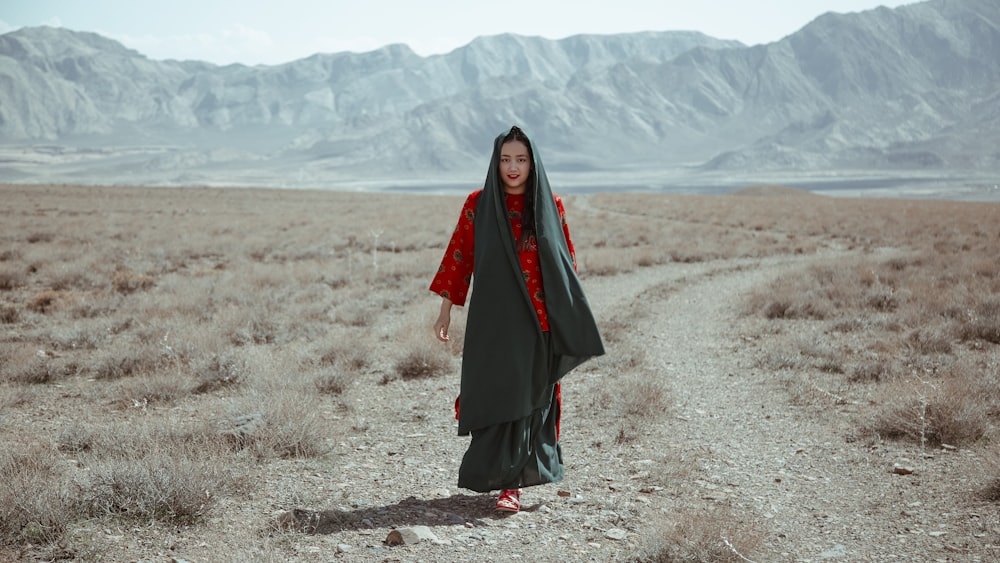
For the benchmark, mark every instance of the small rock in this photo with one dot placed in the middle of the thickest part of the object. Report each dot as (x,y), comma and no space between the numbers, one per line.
(410,535)
(617,534)
(936,534)
(902,469)
(344,548)
(563,493)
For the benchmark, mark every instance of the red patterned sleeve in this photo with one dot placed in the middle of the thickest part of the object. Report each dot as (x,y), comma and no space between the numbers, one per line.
(565,226)
(454,275)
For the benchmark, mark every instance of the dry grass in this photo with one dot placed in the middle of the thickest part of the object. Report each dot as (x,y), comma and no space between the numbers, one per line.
(131,473)
(144,476)
(906,324)
(36,504)
(419,361)
(703,534)
(247,319)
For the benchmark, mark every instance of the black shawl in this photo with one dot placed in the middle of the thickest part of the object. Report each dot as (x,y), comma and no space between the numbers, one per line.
(508,363)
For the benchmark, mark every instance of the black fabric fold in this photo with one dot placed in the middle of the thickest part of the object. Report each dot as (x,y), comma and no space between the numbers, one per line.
(508,363)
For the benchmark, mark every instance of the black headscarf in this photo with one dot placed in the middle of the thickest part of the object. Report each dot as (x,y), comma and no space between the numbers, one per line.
(508,362)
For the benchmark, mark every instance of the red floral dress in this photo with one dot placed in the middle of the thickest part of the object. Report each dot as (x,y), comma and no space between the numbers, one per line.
(454,276)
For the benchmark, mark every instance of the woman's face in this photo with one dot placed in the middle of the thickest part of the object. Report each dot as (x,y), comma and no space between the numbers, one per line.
(515,165)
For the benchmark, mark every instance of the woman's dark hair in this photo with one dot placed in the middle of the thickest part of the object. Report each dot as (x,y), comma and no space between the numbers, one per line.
(528,214)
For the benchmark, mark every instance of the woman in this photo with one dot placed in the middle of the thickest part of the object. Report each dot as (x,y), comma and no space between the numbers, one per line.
(528,323)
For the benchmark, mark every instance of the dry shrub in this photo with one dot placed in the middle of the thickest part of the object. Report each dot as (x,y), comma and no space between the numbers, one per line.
(36,504)
(252,327)
(347,356)
(648,259)
(221,371)
(129,359)
(793,297)
(11,279)
(420,360)
(290,428)
(48,300)
(882,299)
(871,371)
(83,335)
(14,396)
(608,262)
(126,281)
(955,410)
(151,389)
(39,236)
(991,490)
(69,278)
(826,291)
(141,475)
(615,330)
(9,314)
(644,396)
(35,372)
(711,534)
(279,414)
(822,356)
(77,438)
(781,357)
(641,402)
(930,340)
(22,363)
(331,382)
(985,324)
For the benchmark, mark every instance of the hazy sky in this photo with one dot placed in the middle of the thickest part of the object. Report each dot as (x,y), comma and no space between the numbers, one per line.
(255,32)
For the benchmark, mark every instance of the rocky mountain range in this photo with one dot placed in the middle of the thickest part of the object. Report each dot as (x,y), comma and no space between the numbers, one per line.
(909,91)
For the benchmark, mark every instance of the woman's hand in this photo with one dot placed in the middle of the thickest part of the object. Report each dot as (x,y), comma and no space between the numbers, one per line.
(443,321)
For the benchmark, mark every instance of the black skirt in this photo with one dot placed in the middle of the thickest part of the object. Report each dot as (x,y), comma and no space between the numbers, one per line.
(515,454)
